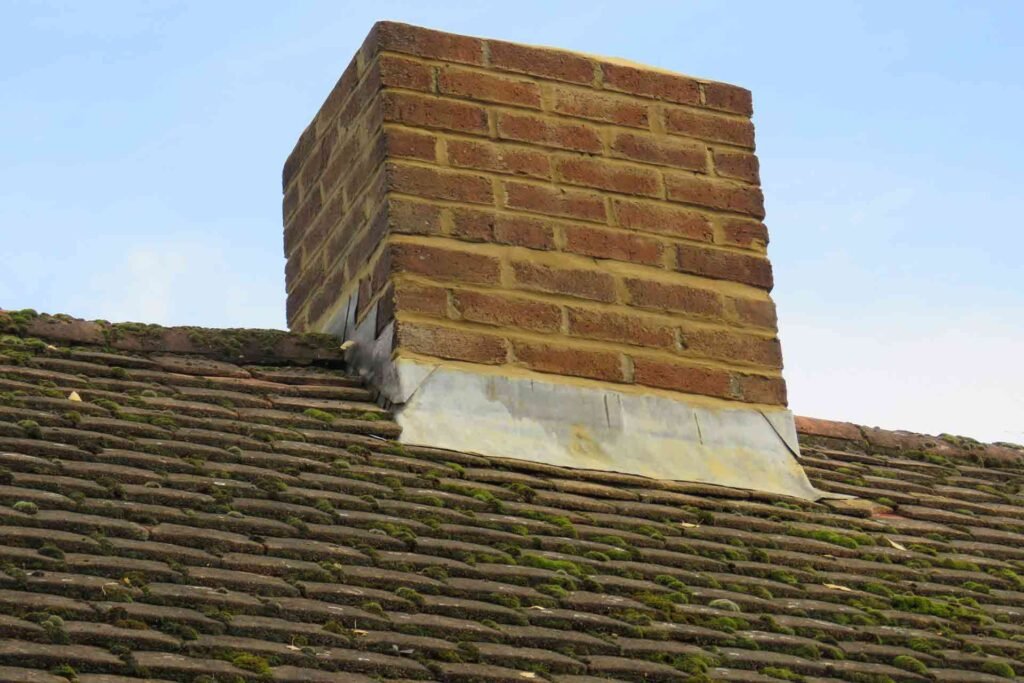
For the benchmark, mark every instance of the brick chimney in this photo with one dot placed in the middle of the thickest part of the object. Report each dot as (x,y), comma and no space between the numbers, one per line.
(545,255)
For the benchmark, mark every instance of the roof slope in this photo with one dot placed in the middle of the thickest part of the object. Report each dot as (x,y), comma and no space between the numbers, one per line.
(226,505)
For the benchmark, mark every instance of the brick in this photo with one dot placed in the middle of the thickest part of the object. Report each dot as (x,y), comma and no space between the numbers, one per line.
(290,202)
(733,346)
(587,104)
(523,127)
(730,98)
(663,219)
(426,43)
(756,312)
(445,264)
(555,201)
(317,160)
(385,310)
(413,218)
(295,229)
(487,226)
(310,280)
(415,297)
(719,195)
(399,72)
(741,232)
(546,62)
(451,343)
(725,265)
(341,230)
(713,127)
(689,379)
(504,311)
(600,174)
(297,157)
(575,362)
(366,244)
(434,112)
(738,165)
(499,158)
(410,144)
(337,98)
(650,83)
(661,150)
(438,184)
(486,87)
(584,284)
(760,389)
(620,327)
(613,244)
(674,297)
(327,296)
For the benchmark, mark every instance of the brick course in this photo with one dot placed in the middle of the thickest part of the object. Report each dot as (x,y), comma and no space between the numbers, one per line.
(512,205)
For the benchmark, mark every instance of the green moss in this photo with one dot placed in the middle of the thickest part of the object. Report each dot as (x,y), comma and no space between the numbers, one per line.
(321,415)
(571,568)
(409,594)
(31,429)
(829,536)
(998,668)
(781,674)
(911,664)
(50,550)
(554,590)
(16,322)
(976,587)
(724,604)
(26,507)
(250,662)
(506,600)
(523,491)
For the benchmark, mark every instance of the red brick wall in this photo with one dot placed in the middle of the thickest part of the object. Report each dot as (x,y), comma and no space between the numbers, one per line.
(540,209)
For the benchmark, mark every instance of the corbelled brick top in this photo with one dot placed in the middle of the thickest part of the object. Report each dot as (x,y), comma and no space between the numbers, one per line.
(538,211)
(182,514)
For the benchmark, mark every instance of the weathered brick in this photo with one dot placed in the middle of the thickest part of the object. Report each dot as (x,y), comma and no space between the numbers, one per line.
(546,62)
(604,175)
(439,184)
(499,158)
(488,226)
(449,342)
(584,284)
(676,376)
(555,201)
(613,244)
(327,296)
(337,98)
(298,156)
(757,312)
(720,195)
(487,87)
(661,150)
(296,228)
(445,264)
(399,72)
(761,389)
(587,104)
(434,112)
(619,327)
(410,144)
(733,346)
(416,297)
(674,297)
(424,42)
(523,127)
(729,98)
(663,219)
(725,265)
(650,83)
(575,362)
(739,165)
(506,311)
(713,127)
(290,202)
(742,232)
(413,218)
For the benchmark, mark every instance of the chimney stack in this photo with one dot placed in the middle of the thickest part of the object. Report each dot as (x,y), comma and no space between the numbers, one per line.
(546,255)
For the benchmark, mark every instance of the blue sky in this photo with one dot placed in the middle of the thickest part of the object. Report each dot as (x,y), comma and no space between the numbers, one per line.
(141,145)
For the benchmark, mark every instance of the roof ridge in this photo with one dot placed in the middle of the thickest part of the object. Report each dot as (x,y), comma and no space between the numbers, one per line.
(265,346)
(898,441)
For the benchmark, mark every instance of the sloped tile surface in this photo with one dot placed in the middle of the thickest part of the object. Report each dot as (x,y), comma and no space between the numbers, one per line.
(218,505)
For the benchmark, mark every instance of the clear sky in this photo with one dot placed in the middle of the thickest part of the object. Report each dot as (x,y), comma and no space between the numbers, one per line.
(141,145)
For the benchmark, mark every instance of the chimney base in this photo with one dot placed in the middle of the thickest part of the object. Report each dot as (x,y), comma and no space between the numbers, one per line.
(465,407)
